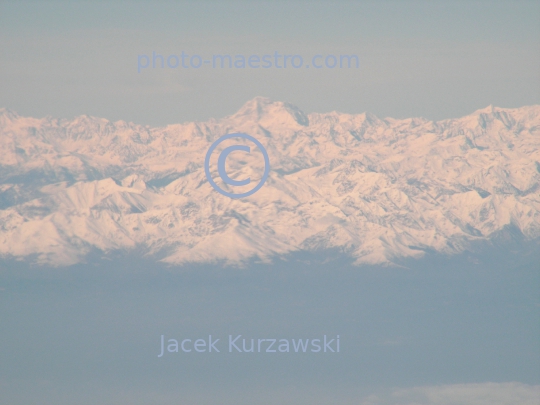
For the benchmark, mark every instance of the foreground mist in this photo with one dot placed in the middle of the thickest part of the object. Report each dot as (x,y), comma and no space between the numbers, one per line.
(92,332)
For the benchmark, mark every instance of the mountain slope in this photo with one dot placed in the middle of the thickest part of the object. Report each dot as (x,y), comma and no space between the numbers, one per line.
(377,189)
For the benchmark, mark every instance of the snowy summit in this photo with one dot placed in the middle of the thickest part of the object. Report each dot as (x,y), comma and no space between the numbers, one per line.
(377,189)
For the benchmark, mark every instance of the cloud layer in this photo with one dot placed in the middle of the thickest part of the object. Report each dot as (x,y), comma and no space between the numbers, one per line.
(509,393)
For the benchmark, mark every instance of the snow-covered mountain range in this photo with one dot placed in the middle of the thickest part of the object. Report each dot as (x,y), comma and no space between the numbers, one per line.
(378,189)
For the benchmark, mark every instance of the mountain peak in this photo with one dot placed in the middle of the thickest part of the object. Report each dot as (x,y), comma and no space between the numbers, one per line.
(8,115)
(378,189)
(488,109)
(264,109)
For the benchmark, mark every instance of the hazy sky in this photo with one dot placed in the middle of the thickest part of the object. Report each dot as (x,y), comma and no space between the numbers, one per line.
(91,334)
(416,58)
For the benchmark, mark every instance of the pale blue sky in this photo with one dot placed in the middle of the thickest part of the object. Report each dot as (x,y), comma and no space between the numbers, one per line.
(417,58)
